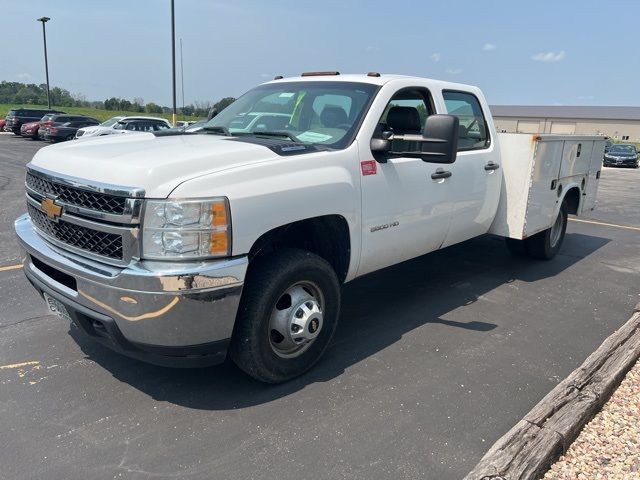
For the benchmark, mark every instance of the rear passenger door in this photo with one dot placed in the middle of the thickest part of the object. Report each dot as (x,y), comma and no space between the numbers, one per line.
(475,177)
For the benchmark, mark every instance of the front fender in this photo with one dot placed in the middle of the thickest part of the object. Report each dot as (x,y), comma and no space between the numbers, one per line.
(284,190)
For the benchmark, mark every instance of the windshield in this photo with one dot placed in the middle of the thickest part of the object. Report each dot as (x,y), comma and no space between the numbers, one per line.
(111,121)
(320,113)
(622,149)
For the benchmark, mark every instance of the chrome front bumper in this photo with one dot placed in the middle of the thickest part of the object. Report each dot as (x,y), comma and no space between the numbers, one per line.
(172,309)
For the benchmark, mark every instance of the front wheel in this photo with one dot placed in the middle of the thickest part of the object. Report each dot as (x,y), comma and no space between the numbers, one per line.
(287,316)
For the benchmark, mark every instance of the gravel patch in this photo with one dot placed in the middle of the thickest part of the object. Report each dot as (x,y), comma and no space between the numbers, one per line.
(609,446)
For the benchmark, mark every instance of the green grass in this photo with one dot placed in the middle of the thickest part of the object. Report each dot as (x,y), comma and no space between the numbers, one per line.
(101,115)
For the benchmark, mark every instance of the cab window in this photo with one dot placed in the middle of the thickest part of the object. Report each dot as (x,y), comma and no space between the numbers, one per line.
(405,114)
(473,133)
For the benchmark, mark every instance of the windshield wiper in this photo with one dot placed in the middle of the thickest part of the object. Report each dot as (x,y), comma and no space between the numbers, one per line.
(220,130)
(288,135)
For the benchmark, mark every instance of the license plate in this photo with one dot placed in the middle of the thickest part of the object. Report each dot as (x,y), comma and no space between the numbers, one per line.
(57,307)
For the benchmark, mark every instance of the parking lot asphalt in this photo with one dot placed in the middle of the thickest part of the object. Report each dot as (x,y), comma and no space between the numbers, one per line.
(434,359)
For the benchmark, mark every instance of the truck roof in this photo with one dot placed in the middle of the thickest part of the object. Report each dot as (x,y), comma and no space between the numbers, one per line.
(364,78)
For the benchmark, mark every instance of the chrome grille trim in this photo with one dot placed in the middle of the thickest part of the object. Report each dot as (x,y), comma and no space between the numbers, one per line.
(109,203)
(128,235)
(86,239)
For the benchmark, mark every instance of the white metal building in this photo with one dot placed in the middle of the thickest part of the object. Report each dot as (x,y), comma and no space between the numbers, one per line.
(620,123)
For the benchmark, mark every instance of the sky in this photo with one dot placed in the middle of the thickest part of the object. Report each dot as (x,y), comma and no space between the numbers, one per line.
(561,52)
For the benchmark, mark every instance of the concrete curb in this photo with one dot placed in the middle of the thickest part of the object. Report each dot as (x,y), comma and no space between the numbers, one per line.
(527,451)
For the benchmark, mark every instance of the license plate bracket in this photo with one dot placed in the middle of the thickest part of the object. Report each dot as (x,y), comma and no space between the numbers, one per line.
(57,307)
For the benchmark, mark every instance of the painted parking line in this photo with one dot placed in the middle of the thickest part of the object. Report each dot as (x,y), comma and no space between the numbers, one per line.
(603,224)
(10,267)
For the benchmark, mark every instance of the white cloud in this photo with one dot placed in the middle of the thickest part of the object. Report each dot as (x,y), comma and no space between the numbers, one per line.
(24,76)
(488,47)
(436,57)
(372,48)
(548,56)
(453,71)
(266,75)
(586,97)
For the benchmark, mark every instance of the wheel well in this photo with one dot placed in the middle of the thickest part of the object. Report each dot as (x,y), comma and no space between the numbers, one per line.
(572,200)
(326,236)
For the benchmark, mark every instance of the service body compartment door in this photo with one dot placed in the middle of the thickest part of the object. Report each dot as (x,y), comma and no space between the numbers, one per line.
(543,190)
(576,157)
(595,166)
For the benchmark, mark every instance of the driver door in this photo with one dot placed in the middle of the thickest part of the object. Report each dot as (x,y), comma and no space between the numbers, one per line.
(405,212)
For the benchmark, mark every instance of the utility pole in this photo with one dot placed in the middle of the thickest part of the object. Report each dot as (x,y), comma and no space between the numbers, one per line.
(46,63)
(173,58)
(182,78)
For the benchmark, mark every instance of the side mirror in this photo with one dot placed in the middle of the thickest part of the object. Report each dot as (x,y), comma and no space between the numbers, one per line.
(381,145)
(440,139)
(212,113)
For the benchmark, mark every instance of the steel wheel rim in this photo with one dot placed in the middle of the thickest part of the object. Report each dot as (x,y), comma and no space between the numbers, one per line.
(296,320)
(556,230)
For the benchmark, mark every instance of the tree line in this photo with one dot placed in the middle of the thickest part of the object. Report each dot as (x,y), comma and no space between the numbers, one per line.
(22,94)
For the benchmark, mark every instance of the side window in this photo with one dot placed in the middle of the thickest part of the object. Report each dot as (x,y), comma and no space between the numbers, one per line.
(405,114)
(473,133)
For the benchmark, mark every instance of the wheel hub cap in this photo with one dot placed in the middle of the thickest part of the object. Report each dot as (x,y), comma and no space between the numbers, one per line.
(296,320)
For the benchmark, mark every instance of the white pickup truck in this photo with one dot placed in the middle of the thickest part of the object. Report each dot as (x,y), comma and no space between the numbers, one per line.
(180,248)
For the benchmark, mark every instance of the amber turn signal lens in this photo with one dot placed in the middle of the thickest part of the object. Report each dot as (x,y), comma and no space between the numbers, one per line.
(219,243)
(219,215)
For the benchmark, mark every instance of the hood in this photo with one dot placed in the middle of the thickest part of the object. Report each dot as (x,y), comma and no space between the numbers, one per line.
(156,164)
(621,154)
(93,130)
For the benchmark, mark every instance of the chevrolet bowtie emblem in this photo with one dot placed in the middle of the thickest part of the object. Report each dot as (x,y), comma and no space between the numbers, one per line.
(52,210)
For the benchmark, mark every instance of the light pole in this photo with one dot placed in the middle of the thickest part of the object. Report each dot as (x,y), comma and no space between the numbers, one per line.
(173,58)
(182,78)
(46,63)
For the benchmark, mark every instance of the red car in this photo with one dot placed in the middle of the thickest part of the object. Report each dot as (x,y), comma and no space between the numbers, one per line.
(30,130)
(2,124)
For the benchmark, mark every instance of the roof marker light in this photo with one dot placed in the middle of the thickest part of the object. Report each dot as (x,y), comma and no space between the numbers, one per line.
(318,74)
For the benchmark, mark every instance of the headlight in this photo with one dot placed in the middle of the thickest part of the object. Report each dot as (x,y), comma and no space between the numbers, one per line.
(186,229)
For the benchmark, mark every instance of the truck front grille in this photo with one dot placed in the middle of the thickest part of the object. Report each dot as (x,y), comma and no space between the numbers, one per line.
(100,202)
(93,241)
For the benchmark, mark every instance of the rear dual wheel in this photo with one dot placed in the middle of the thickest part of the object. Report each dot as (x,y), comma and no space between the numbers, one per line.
(287,316)
(546,244)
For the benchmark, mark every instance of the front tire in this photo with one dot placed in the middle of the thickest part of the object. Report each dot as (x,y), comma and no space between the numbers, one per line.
(287,316)
(546,244)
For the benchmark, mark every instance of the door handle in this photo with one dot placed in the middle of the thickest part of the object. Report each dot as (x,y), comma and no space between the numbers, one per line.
(440,173)
(491,166)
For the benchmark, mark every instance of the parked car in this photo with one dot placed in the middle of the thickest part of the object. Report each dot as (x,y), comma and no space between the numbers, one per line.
(196,126)
(94,131)
(2,124)
(17,116)
(607,145)
(125,125)
(45,122)
(30,130)
(239,241)
(621,155)
(64,127)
